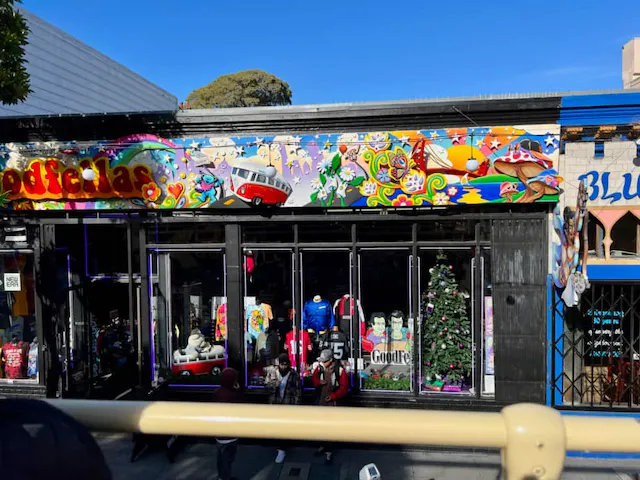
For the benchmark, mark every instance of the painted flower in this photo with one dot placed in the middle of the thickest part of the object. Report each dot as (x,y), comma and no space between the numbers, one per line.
(414,182)
(369,188)
(402,201)
(441,198)
(383,175)
(347,173)
(452,191)
(316,184)
(342,190)
(151,192)
(324,166)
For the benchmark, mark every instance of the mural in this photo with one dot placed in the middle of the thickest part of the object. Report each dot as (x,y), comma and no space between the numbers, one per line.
(394,169)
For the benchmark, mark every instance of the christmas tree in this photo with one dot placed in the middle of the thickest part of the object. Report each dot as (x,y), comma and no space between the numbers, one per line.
(446,330)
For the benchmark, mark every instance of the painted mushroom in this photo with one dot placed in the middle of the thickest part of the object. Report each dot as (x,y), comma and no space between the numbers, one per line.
(508,189)
(547,183)
(521,163)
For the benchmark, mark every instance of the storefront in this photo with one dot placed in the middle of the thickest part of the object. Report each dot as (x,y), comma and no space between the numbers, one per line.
(596,350)
(418,256)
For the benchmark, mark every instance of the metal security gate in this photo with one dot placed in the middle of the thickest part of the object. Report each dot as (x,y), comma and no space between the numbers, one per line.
(596,352)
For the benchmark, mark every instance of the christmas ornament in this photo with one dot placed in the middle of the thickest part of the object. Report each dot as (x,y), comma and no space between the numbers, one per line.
(430,308)
(452,366)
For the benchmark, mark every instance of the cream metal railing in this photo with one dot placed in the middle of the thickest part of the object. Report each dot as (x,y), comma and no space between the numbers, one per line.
(533,438)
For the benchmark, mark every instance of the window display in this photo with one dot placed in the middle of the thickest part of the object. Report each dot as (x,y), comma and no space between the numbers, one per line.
(386,342)
(268,280)
(19,346)
(447,359)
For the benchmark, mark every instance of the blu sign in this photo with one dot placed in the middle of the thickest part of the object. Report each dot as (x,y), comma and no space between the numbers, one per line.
(600,186)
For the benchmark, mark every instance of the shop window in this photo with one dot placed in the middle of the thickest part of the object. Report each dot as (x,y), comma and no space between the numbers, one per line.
(595,234)
(488,352)
(387,231)
(19,344)
(324,232)
(185,233)
(449,230)
(329,312)
(446,332)
(190,322)
(267,232)
(625,237)
(106,250)
(268,286)
(386,338)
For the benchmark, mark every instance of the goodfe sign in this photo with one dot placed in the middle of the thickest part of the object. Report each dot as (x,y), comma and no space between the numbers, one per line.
(439,167)
(396,357)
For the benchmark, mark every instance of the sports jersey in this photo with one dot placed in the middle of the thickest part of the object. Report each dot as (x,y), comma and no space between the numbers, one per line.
(318,316)
(297,342)
(15,360)
(344,312)
(337,342)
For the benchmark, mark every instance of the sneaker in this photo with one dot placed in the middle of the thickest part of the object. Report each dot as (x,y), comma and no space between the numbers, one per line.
(328,457)
(280,456)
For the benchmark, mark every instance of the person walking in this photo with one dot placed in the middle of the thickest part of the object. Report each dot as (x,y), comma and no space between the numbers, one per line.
(229,392)
(284,388)
(332,384)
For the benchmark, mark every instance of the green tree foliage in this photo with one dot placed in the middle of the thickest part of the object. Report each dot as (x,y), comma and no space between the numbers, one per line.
(14,79)
(251,88)
(446,341)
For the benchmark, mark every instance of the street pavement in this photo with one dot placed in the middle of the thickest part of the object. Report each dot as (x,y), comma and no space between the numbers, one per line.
(254,462)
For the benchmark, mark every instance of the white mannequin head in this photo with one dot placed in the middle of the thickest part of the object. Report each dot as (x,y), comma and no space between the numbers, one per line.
(317,298)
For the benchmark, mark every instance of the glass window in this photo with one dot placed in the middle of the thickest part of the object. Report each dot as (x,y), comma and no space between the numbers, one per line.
(446,330)
(449,230)
(107,250)
(19,344)
(243,173)
(234,171)
(386,338)
(328,309)
(488,352)
(387,231)
(324,232)
(595,237)
(190,318)
(185,233)
(268,280)
(267,232)
(261,178)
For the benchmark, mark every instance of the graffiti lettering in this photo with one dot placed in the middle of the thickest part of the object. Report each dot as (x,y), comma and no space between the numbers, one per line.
(599,186)
(49,180)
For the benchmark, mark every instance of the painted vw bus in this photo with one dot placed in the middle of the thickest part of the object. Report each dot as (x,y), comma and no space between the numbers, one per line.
(257,184)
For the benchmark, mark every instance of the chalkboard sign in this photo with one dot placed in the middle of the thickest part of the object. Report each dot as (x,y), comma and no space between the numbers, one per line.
(604,338)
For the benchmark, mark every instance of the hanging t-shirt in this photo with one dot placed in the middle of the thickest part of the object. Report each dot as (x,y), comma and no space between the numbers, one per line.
(221,322)
(32,361)
(255,320)
(344,309)
(297,342)
(15,360)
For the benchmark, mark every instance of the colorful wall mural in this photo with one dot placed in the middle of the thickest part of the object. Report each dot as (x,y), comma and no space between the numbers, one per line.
(440,167)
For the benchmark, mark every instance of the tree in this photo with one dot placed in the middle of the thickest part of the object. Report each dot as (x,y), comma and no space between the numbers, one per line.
(250,88)
(14,79)
(446,333)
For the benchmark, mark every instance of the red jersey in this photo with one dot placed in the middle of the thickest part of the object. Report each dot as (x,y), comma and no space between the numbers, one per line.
(297,342)
(15,360)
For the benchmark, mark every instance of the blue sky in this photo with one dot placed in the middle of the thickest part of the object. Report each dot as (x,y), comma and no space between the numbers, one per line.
(361,50)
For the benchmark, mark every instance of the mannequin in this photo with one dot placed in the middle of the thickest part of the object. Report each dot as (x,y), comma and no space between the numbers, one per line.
(317,315)
(298,342)
(15,359)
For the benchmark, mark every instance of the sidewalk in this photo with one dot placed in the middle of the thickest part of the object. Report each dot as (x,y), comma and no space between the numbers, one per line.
(197,461)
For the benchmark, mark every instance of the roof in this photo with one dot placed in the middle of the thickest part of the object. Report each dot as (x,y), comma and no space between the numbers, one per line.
(69,77)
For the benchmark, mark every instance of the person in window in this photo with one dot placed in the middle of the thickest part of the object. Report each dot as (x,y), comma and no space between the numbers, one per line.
(283,384)
(229,392)
(332,384)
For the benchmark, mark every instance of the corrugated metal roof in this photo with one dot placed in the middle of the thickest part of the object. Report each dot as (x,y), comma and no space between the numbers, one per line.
(69,77)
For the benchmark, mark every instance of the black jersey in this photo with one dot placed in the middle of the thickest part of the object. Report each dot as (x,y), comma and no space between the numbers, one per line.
(337,342)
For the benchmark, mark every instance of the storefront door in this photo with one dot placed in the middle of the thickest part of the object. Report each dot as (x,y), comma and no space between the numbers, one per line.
(386,341)
(189,315)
